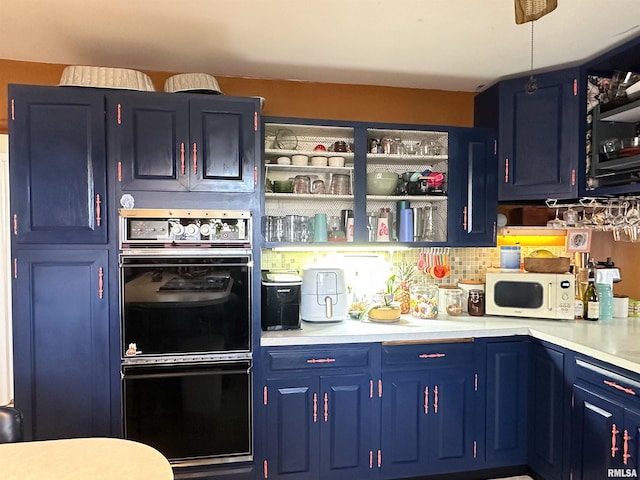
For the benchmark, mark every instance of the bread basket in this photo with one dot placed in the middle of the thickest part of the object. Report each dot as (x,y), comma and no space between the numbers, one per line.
(547,265)
(192,82)
(105,77)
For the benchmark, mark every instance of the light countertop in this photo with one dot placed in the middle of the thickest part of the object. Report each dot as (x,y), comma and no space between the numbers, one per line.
(616,341)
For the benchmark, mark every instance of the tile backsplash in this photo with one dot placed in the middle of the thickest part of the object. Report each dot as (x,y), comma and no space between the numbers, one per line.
(465,263)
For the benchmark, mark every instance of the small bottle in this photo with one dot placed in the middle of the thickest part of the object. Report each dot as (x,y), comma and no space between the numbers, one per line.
(591,303)
(578,303)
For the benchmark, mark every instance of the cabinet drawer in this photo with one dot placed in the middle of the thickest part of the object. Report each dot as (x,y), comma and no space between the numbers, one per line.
(315,358)
(611,381)
(429,354)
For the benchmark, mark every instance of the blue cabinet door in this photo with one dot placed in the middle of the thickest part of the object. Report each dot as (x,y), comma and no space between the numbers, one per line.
(506,414)
(294,412)
(539,132)
(61,343)
(149,140)
(183,142)
(224,144)
(630,449)
(57,165)
(474,198)
(597,428)
(427,422)
(346,446)
(546,411)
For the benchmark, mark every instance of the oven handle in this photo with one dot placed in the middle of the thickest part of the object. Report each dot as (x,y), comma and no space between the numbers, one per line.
(183,373)
(224,265)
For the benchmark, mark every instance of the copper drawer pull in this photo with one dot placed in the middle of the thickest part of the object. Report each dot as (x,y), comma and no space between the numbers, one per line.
(619,387)
(432,355)
(614,432)
(195,159)
(182,165)
(321,360)
(315,408)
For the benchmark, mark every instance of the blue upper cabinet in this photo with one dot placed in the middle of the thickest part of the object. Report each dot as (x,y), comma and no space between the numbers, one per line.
(472,168)
(183,142)
(58,169)
(540,144)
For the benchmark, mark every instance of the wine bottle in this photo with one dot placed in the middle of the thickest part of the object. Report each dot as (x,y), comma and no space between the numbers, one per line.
(591,302)
(578,303)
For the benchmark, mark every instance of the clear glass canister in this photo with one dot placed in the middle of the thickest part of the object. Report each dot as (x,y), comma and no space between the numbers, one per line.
(453,301)
(424,301)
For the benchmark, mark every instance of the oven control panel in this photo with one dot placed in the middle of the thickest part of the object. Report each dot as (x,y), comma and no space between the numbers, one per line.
(141,227)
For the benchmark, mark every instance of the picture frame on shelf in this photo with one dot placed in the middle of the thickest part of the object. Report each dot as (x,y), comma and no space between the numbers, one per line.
(578,240)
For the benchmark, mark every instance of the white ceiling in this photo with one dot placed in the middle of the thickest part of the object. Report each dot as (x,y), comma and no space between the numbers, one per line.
(433,44)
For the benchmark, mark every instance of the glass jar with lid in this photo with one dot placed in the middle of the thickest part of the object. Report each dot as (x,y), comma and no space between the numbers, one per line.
(453,301)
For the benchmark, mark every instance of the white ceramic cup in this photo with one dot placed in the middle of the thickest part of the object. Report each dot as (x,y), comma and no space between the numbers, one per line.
(336,161)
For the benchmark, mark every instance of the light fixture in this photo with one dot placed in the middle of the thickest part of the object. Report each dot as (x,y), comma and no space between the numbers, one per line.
(530,11)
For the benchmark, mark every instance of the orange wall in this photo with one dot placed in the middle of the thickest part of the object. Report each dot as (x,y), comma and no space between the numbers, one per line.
(295,99)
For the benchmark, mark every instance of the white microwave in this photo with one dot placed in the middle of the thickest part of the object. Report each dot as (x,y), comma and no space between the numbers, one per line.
(523,294)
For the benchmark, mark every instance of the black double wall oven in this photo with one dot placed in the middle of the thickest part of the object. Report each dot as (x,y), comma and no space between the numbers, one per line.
(186,289)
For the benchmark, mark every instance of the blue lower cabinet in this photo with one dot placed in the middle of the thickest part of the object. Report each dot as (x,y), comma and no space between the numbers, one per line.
(62,364)
(429,407)
(427,422)
(546,411)
(596,435)
(319,415)
(506,397)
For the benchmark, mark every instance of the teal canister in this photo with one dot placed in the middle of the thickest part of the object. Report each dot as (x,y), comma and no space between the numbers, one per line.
(320,227)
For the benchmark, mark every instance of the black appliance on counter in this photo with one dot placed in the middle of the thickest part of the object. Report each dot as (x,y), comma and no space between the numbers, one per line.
(280,301)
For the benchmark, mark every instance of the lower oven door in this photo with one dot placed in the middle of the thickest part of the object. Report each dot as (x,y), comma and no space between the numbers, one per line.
(193,413)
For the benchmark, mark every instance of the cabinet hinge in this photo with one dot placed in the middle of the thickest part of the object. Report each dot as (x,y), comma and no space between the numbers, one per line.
(575,87)
(255,121)
(15,268)
(265,395)
(119,114)
(15,224)
(475,382)
(265,469)
(13,109)
(573,177)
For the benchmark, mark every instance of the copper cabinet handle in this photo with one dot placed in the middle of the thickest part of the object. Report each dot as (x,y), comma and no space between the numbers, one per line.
(379,458)
(265,395)
(432,355)
(315,408)
(371,388)
(195,159)
(370,459)
(619,387)
(119,172)
(182,165)
(464,218)
(326,407)
(426,400)
(614,432)
(100,283)
(625,448)
(435,399)
(15,224)
(321,360)
(98,203)
(506,170)
(380,388)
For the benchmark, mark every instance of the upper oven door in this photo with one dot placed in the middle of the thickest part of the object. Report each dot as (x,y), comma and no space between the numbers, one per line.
(175,304)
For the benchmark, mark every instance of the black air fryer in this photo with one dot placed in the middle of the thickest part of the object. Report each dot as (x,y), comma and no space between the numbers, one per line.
(280,301)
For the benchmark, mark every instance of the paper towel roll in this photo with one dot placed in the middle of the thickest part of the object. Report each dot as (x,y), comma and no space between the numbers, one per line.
(620,307)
